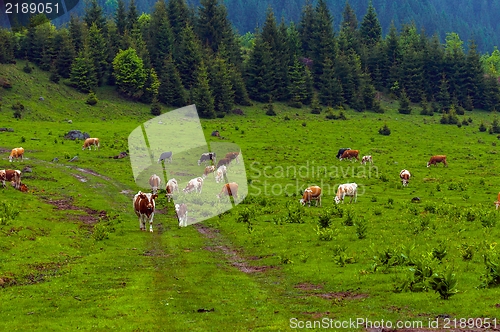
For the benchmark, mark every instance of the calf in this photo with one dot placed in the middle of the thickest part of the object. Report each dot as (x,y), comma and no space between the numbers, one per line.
(154,182)
(366,159)
(229,189)
(11,175)
(437,159)
(167,156)
(350,154)
(144,207)
(311,193)
(89,142)
(182,214)
(208,156)
(347,189)
(219,175)
(405,177)
(208,170)
(16,153)
(195,185)
(171,187)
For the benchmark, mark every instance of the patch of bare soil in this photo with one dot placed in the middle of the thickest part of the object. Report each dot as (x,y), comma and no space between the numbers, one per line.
(342,296)
(91,217)
(233,257)
(308,286)
(94,173)
(80,177)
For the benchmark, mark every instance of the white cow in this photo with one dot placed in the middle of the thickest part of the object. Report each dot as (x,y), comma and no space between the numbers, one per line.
(405,177)
(171,187)
(366,159)
(154,182)
(347,189)
(182,214)
(195,185)
(208,170)
(219,175)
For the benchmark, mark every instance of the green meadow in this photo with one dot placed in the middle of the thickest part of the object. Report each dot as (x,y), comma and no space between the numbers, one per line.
(72,255)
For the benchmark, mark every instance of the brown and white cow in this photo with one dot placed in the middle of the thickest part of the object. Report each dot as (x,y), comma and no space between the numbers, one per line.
(182,214)
(405,177)
(11,175)
(208,170)
(497,203)
(437,159)
(233,156)
(312,193)
(229,189)
(195,185)
(367,159)
(171,187)
(350,154)
(16,153)
(223,161)
(219,175)
(144,207)
(154,182)
(347,189)
(89,142)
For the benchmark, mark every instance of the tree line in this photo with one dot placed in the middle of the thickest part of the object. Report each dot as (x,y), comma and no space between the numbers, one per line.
(179,55)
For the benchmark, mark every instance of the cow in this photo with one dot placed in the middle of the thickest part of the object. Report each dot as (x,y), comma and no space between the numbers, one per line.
(195,185)
(311,193)
(171,187)
(154,182)
(437,159)
(341,151)
(144,207)
(89,142)
(167,156)
(11,175)
(219,175)
(347,189)
(182,214)
(366,159)
(350,154)
(208,156)
(16,153)
(229,189)
(224,162)
(215,133)
(233,155)
(405,177)
(208,170)
(497,203)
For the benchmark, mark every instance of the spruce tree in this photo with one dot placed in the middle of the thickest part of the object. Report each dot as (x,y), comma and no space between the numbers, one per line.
(76,30)
(98,52)
(94,14)
(151,86)
(189,57)
(297,88)
(323,43)
(121,17)
(178,16)
(349,34)
(132,16)
(443,98)
(240,91)
(66,54)
(404,103)
(259,72)
(370,30)
(201,94)
(171,90)
(306,28)
(330,93)
(83,72)
(161,39)
(220,83)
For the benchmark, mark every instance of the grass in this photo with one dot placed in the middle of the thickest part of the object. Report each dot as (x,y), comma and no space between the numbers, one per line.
(74,256)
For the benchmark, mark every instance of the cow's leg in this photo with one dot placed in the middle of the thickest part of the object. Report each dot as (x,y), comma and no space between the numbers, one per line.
(140,224)
(151,223)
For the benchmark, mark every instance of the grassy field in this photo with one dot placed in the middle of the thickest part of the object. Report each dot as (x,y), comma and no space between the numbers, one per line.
(72,255)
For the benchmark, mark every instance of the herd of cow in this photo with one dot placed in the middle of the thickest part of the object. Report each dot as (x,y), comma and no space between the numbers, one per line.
(351,189)
(144,203)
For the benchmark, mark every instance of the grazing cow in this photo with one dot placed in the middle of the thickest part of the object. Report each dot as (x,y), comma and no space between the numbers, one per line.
(167,156)
(89,142)
(224,162)
(215,133)
(405,177)
(233,155)
(208,170)
(437,159)
(208,156)
(154,182)
(229,189)
(182,214)
(11,175)
(195,185)
(311,193)
(219,175)
(341,151)
(497,203)
(144,207)
(171,187)
(347,189)
(366,159)
(349,154)
(16,153)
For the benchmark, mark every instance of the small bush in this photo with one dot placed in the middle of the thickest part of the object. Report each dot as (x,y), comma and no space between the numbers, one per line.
(361,228)
(91,99)
(444,284)
(220,115)
(482,127)
(27,68)
(385,130)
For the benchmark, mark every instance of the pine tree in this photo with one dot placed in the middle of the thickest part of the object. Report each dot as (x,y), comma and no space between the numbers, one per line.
(121,17)
(98,52)
(178,16)
(54,75)
(297,88)
(151,86)
(443,98)
(349,34)
(6,46)
(171,90)
(411,75)
(132,16)
(306,28)
(66,54)
(201,94)
(323,43)
(240,91)
(83,72)
(330,92)
(404,103)
(161,39)
(474,80)
(76,29)
(259,74)
(189,57)
(220,83)
(94,14)
(370,30)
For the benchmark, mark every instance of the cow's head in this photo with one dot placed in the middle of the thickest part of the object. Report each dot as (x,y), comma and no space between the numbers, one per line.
(302,201)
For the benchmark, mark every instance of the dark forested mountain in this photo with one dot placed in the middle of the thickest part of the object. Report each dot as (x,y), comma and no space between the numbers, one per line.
(470,19)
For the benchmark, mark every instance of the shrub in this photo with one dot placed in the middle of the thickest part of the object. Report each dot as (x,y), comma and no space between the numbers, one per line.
(491,278)
(325,219)
(91,99)
(444,284)
(385,130)
(466,251)
(361,228)
(27,68)
(7,213)
(155,108)
(482,127)
(220,115)
(270,109)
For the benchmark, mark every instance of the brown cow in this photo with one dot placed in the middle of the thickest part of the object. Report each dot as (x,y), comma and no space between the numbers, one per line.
(233,155)
(144,207)
(229,189)
(16,153)
(11,175)
(223,161)
(171,187)
(349,154)
(89,142)
(437,159)
(311,193)
(405,177)
(208,170)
